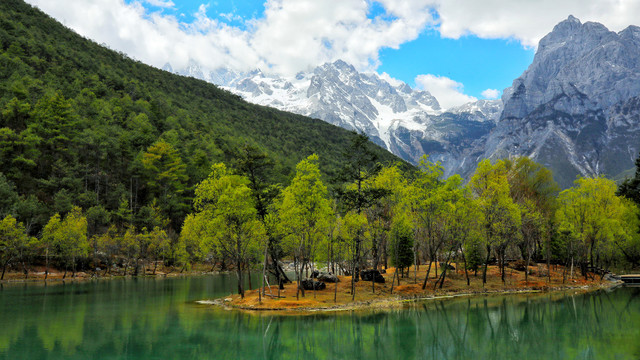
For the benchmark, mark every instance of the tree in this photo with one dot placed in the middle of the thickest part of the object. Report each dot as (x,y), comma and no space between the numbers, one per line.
(109,243)
(225,200)
(500,215)
(428,206)
(8,196)
(458,224)
(257,166)
(401,245)
(13,241)
(305,213)
(159,246)
(391,183)
(630,187)
(360,164)
(195,239)
(68,237)
(597,218)
(166,179)
(532,187)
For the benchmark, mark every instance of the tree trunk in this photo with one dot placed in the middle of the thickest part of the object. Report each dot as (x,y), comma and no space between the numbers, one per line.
(466,272)
(300,280)
(4,269)
(264,274)
(393,280)
(249,276)
(426,277)
(46,261)
(240,280)
(444,272)
(486,263)
(526,269)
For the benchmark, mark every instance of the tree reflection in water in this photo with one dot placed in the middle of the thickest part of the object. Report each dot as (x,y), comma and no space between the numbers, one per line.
(148,319)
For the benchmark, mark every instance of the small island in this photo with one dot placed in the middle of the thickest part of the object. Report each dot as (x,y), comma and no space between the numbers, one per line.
(332,296)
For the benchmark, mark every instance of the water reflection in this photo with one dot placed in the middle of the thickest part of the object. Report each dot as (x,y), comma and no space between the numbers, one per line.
(157,319)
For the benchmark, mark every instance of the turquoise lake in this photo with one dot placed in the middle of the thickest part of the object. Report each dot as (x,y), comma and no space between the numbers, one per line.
(159,319)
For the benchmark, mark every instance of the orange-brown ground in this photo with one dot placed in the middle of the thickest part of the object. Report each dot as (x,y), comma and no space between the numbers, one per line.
(409,288)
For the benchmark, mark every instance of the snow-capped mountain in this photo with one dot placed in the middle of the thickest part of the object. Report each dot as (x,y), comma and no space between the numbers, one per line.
(406,121)
(576,109)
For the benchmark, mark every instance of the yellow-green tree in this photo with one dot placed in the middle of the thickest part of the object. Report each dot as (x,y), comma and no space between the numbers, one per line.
(225,204)
(391,182)
(593,214)
(458,222)
(428,207)
(68,237)
(305,212)
(195,239)
(500,216)
(159,246)
(13,241)
(532,187)
(354,231)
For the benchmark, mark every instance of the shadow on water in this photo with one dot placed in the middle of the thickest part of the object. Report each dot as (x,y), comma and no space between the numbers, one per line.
(150,319)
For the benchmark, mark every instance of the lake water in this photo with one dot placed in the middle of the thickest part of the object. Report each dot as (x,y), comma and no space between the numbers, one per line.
(159,319)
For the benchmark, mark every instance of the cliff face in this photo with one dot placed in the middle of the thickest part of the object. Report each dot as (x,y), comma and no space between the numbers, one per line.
(575,109)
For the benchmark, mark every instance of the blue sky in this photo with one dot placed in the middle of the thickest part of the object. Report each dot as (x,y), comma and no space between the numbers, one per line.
(459,50)
(477,63)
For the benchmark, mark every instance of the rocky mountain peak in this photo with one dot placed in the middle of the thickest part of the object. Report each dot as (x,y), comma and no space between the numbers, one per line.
(586,58)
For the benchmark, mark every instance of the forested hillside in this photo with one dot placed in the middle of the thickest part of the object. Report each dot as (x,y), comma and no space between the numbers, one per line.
(82,125)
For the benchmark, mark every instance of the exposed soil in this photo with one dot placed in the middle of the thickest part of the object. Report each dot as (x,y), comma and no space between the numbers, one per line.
(410,289)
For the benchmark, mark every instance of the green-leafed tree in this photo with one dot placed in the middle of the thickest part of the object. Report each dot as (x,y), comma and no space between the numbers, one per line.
(428,207)
(402,238)
(360,163)
(159,246)
(392,184)
(532,187)
(305,212)
(67,238)
(195,239)
(166,178)
(500,216)
(599,220)
(13,242)
(630,188)
(224,201)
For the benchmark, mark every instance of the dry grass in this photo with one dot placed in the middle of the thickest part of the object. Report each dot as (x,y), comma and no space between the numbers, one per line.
(410,287)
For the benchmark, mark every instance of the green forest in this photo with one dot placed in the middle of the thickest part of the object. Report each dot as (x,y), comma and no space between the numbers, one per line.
(82,125)
(108,163)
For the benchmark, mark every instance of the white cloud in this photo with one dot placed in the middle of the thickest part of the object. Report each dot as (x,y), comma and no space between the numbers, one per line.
(161,3)
(449,93)
(292,35)
(526,20)
(391,80)
(491,94)
(295,35)
(231,16)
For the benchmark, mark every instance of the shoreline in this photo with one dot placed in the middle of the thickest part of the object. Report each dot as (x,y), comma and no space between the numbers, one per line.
(391,301)
(38,278)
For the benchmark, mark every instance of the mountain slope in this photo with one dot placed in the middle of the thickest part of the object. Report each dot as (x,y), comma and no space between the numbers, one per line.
(406,121)
(575,109)
(77,119)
